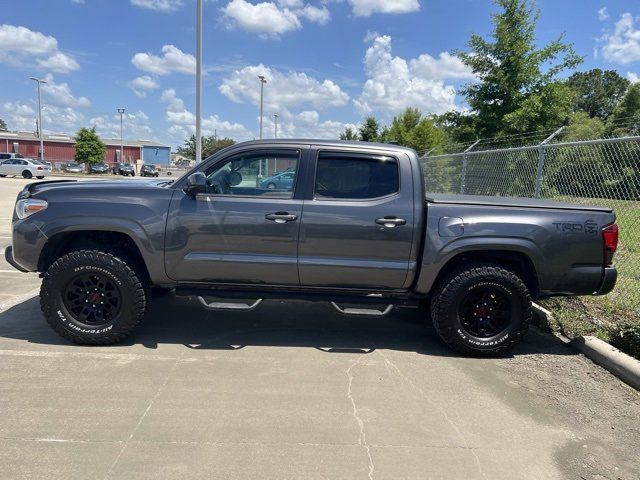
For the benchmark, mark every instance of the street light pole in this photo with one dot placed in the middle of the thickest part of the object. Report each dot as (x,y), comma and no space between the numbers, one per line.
(121,112)
(275,134)
(38,82)
(263,80)
(199,82)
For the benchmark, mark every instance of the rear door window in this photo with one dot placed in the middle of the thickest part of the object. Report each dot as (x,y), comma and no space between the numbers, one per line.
(346,176)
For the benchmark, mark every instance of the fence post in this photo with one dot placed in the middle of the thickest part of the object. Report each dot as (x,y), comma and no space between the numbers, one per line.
(463,176)
(541,159)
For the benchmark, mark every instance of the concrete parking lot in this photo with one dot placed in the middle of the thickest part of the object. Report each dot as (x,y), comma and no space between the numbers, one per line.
(293,390)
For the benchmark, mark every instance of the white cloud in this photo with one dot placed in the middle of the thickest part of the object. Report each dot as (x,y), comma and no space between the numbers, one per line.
(21,47)
(315,14)
(134,125)
(265,19)
(22,116)
(182,122)
(623,44)
(160,5)
(633,77)
(283,90)
(603,14)
(445,67)
(59,94)
(141,85)
(59,63)
(306,124)
(172,60)
(365,8)
(395,83)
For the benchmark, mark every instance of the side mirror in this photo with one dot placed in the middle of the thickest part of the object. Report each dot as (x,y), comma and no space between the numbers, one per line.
(196,183)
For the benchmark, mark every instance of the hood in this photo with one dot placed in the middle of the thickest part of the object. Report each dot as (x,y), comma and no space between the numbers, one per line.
(40,187)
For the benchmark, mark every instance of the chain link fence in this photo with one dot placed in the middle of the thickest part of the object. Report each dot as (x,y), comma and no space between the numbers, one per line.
(602,172)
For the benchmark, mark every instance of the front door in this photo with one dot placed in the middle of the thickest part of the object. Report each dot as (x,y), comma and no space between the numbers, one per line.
(358,229)
(243,229)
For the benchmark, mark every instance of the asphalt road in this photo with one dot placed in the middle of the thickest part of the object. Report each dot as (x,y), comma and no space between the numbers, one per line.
(295,391)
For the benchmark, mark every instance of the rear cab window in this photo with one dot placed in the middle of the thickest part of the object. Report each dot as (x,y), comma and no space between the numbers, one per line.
(355,176)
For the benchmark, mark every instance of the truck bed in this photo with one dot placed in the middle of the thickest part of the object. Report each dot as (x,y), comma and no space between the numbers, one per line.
(509,202)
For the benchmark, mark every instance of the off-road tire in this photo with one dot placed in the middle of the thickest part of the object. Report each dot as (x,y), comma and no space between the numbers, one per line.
(61,273)
(27,174)
(452,290)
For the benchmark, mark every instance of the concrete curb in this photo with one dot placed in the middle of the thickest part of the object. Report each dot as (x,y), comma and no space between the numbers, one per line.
(623,366)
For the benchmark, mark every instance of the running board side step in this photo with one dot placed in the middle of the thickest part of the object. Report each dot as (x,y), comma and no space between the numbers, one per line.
(362,311)
(238,307)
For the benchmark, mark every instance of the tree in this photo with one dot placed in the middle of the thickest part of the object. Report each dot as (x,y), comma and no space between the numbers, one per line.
(411,129)
(598,92)
(349,134)
(370,130)
(210,145)
(510,67)
(89,148)
(584,127)
(625,119)
(459,127)
(3,126)
(542,111)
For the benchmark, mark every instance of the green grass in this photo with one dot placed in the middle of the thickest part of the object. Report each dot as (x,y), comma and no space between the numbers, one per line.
(615,317)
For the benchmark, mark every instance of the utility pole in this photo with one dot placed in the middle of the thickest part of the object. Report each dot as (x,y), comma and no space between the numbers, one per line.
(263,80)
(39,81)
(199,82)
(275,118)
(121,112)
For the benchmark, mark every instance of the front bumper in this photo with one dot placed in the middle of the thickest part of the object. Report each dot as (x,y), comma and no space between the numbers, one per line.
(8,256)
(608,281)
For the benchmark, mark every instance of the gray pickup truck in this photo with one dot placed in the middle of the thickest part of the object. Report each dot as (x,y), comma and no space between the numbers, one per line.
(354,228)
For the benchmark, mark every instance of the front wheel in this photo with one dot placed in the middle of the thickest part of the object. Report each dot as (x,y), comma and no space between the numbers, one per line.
(271,186)
(481,309)
(92,297)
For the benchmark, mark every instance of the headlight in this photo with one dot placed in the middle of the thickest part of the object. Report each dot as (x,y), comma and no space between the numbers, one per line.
(29,206)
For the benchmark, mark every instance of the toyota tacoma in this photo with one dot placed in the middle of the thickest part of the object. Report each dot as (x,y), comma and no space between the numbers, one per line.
(354,228)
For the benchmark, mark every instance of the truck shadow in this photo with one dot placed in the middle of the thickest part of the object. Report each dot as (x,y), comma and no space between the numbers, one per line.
(181,321)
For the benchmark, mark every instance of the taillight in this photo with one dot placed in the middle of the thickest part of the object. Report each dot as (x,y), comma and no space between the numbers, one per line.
(610,239)
(39,168)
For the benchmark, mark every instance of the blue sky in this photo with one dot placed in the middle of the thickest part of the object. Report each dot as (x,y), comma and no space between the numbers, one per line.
(328,63)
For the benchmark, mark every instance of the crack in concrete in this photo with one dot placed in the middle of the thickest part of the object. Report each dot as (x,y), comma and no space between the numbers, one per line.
(142,417)
(389,363)
(362,438)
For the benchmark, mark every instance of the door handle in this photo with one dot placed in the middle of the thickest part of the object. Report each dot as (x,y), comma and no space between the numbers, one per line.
(391,222)
(281,217)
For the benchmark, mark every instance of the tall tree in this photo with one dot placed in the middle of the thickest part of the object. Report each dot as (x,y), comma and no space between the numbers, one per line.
(370,130)
(210,145)
(349,134)
(89,147)
(510,67)
(545,110)
(3,126)
(598,92)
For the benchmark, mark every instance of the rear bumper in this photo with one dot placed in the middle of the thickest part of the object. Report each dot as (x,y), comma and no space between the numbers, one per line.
(608,281)
(8,256)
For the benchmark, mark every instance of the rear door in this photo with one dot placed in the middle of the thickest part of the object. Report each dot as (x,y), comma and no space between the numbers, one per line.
(358,229)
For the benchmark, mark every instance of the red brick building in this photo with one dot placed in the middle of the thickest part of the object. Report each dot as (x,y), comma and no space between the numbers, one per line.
(59,148)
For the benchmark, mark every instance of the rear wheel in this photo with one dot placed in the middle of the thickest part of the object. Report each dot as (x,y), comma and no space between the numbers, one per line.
(481,310)
(92,297)
(40,177)
(27,174)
